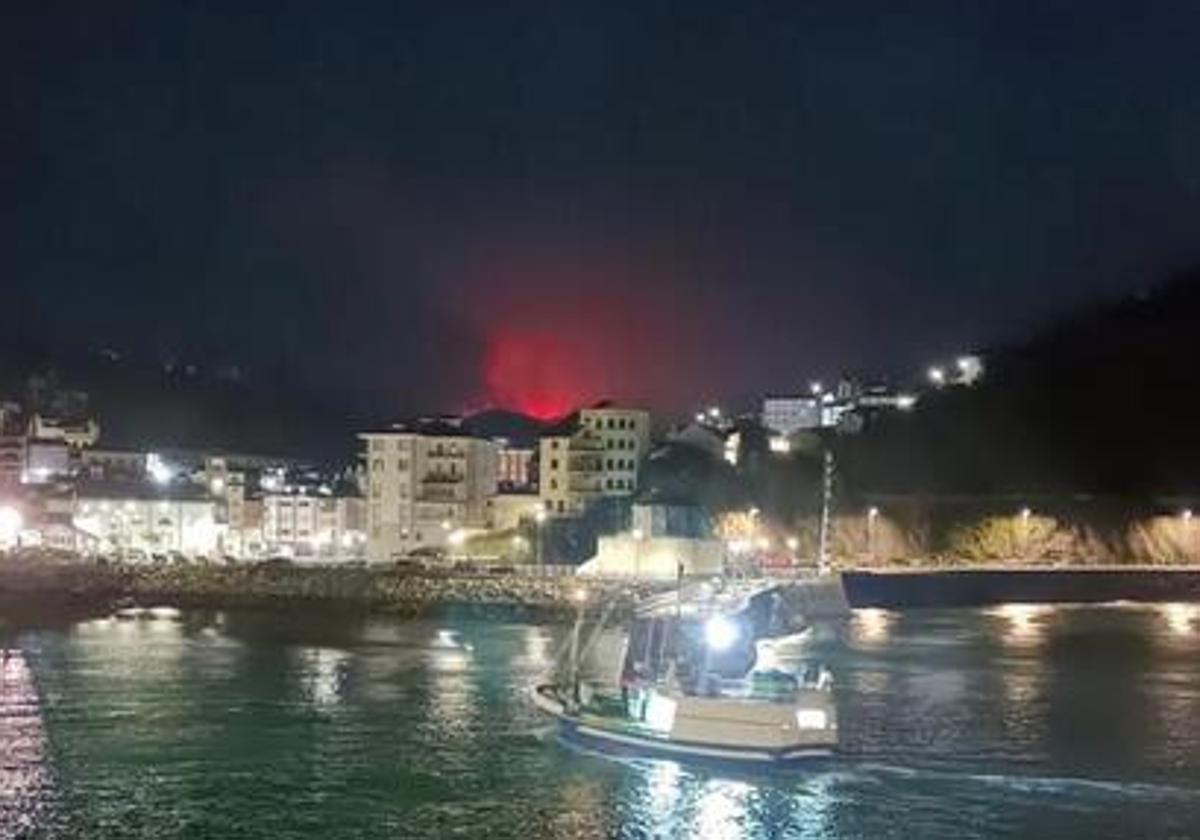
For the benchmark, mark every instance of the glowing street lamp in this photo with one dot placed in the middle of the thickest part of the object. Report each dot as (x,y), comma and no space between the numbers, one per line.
(937,376)
(815,388)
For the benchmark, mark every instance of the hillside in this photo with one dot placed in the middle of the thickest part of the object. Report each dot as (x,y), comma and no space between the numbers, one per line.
(1103,401)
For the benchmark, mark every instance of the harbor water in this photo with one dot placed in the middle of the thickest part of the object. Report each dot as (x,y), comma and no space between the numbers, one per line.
(1014,721)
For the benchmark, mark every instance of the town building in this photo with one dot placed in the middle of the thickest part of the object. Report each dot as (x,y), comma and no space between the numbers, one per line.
(785,416)
(136,524)
(594,453)
(666,541)
(845,408)
(113,464)
(319,529)
(427,483)
(514,467)
(77,435)
(46,461)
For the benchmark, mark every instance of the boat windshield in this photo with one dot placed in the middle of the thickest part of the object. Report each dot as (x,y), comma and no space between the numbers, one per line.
(714,656)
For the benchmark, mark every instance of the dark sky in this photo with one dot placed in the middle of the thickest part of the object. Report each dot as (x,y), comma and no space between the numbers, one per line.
(443,205)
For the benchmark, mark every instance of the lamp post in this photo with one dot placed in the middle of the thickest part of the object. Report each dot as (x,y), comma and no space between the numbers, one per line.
(872,515)
(539,519)
(1186,516)
(1024,535)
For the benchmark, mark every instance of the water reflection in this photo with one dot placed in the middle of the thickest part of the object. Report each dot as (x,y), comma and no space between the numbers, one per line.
(1180,618)
(323,674)
(721,810)
(871,627)
(1025,623)
(24,782)
(453,703)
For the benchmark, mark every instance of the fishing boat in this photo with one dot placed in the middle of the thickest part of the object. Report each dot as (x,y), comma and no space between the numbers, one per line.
(683,678)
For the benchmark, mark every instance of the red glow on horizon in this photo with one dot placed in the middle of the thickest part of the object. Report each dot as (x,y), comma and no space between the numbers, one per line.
(537,374)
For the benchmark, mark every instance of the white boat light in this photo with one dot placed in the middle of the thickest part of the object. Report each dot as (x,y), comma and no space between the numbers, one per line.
(811,719)
(660,713)
(720,633)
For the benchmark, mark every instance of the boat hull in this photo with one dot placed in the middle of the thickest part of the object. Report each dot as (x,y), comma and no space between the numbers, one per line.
(631,745)
(613,737)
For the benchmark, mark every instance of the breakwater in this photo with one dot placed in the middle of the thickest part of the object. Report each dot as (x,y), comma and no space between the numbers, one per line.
(902,589)
(83,586)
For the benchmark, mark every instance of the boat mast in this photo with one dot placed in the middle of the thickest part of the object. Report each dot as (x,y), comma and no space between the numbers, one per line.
(826,504)
(574,668)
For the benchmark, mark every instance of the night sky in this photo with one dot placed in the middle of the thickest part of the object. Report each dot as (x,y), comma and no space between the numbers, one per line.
(453,205)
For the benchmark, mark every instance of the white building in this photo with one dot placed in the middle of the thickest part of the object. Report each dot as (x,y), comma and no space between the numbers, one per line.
(77,435)
(139,527)
(426,484)
(313,528)
(514,467)
(594,453)
(788,415)
(46,461)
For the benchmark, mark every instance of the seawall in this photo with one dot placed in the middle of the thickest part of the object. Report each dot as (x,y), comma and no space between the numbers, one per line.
(979,587)
(88,587)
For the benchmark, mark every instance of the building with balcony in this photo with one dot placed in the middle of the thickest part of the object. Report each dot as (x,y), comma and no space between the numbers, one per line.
(316,529)
(426,483)
(514,468)
(594,453)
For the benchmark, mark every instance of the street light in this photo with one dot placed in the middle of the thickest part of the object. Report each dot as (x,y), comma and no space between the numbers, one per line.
(872,515)
(1026,513)
(937,376)
(539,518)
(815,388)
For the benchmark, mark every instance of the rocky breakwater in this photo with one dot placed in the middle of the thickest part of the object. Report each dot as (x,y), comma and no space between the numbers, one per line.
(410,593)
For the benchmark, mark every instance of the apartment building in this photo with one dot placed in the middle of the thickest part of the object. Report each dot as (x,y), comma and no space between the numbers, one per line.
(594,453)
(427,483)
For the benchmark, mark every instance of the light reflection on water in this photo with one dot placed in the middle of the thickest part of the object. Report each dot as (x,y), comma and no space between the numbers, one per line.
(954,723)
(1025,624)
(871,626)
(24,778)
(1181,618)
